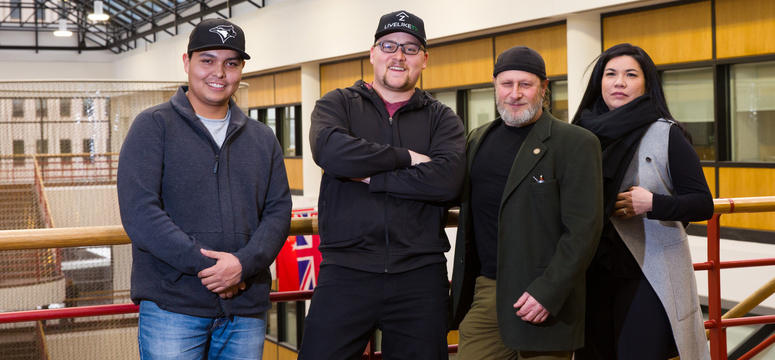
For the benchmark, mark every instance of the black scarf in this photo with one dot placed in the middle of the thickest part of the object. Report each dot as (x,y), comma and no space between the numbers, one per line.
(619,132)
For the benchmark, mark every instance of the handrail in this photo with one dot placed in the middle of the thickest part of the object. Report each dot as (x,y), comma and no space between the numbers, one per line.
(115,235)
(45,210)
(751,301)
(743,204)
(717,323)
(66,155)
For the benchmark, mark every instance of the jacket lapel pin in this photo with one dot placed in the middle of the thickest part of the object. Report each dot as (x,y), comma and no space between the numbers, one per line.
(536,151)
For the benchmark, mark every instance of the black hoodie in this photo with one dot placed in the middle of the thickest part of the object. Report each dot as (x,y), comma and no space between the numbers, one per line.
(395,223)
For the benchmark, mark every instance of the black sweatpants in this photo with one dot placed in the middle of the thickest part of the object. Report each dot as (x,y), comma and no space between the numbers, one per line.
(348,305)
(625,319)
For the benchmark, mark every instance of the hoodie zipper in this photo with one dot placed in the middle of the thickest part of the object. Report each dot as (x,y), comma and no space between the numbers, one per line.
(387,199)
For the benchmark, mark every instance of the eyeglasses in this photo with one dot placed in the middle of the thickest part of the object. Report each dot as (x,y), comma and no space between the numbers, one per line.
(388,46)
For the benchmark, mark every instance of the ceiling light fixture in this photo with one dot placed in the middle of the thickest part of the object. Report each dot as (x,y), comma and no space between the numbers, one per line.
(62,30)
(98,14)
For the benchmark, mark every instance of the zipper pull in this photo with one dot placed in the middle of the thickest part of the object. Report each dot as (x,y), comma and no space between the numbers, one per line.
(215,166)
(390,120)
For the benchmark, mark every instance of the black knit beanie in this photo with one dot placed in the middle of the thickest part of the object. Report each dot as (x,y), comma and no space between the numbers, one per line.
(520,58)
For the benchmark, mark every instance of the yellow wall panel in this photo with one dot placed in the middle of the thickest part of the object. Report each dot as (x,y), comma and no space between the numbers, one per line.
(293,167)
(551,42)
(272,351)
(260,91)
(368,70)
(459,64)
(745,182)
(745,27)
(710,177)
(339,75)
(287,86)
(669,35)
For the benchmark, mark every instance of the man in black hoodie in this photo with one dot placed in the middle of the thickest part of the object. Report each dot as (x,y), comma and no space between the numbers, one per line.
(393,159)
(204,197)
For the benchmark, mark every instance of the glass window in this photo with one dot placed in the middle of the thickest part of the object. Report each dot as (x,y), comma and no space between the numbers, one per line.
(481,107)
(559,99)
(288,140)
(16,9)
(18,149)
(66,147)
(752,110)
(689,96)
(64,107)
(88,107)
(271,119)
(41,108)
(18,108)
(271,322)
(41,147)
(448,98)
(40,11)
(88,148)
(253,114)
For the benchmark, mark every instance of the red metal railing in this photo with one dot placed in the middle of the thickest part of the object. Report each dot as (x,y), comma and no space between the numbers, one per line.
(717,325)
(59,168)
(97,310)
(115,235)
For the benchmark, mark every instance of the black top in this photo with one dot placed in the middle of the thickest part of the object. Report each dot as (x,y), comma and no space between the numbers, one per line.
(489,173)
(396,222)
(692,201)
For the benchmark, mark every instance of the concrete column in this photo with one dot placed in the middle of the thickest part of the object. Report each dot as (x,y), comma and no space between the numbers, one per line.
(310,93)
(584,45)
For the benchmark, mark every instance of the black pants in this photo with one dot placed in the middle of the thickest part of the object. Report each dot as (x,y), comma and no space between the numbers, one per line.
(348,305)
(625,319)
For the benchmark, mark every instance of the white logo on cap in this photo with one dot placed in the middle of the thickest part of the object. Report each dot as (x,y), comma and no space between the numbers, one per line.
(226,32)
(402,16)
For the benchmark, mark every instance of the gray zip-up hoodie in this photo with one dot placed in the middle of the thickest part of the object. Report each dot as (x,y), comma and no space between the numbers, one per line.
(179,192)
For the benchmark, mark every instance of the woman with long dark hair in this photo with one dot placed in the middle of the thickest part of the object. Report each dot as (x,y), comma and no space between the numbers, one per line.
(641,294)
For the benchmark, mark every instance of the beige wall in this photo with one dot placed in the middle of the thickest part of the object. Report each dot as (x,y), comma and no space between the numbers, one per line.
(83,205)
(114,344)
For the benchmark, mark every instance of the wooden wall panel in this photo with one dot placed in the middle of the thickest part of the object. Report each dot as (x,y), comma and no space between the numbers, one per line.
(710,177)
(459,64)
(261,90)
(294,169)
(339,75)
(744,182)
(669,35)
(551,42)
(745,27)
(287,87)
(272,351)
(368,70)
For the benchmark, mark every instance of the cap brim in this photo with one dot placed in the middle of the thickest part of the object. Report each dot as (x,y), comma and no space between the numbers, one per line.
(242,54)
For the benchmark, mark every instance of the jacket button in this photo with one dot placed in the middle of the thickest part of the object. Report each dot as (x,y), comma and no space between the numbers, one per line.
(648,159)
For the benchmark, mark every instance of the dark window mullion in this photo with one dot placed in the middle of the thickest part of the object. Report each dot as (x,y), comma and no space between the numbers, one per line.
(721,83)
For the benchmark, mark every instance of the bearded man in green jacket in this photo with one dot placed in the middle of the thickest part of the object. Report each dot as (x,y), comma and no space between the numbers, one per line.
(530,218)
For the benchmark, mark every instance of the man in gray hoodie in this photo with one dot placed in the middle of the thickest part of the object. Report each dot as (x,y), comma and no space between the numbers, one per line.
(204,197)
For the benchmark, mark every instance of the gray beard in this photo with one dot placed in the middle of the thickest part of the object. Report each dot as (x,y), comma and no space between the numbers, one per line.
(521,118)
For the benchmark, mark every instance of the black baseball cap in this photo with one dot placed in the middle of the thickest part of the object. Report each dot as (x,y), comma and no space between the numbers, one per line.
(520,58)
(401,21)
(217,34)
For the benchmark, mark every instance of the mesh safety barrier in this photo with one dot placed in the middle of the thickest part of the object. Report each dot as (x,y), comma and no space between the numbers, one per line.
(59,144)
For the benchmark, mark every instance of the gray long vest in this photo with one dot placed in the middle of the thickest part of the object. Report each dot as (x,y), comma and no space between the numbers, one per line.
(661,247)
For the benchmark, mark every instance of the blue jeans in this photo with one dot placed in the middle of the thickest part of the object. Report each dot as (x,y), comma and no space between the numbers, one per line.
(165,335)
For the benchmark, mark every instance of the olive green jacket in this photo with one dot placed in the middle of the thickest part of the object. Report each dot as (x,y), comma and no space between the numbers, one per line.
(550,219)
